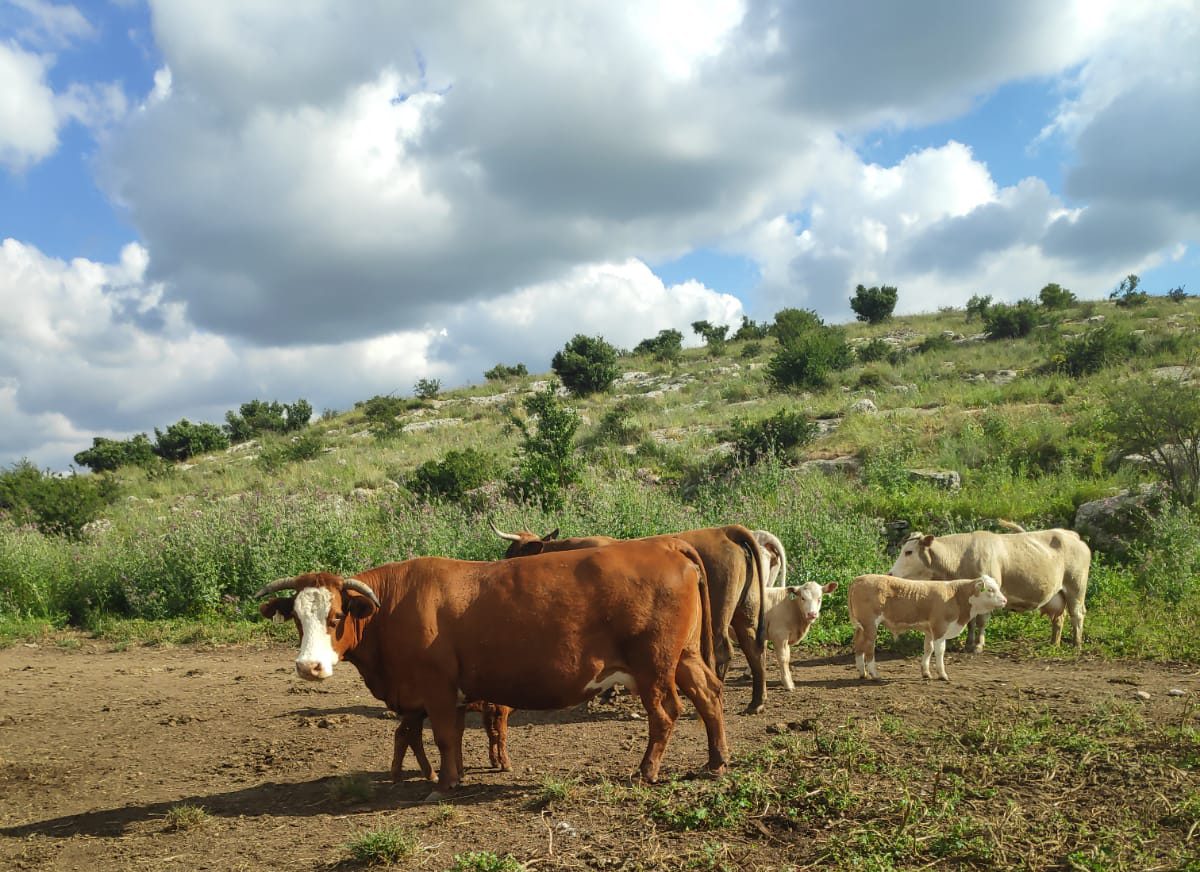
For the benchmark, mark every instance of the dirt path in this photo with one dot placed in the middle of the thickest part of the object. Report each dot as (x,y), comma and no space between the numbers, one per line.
(96,746)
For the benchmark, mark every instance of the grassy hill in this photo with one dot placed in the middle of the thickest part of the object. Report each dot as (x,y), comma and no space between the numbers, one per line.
(1027,441)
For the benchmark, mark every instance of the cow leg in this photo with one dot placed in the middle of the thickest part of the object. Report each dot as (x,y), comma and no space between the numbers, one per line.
(662,710)
(446,719)
(783,653)
(495,724)
(939,655)
(722,649)
(754,657)
(408,735)
(925,657)
(1078,610)
(864,651)
(975,633)
(701,685)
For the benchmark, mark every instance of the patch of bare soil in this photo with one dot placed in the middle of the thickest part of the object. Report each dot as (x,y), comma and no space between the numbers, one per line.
(99,748)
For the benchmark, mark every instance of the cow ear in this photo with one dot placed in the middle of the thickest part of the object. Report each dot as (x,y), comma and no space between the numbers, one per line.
(793,592)
(279,609)
(927,541)
(829,588)
(553,534)
(980,584)
(359,606)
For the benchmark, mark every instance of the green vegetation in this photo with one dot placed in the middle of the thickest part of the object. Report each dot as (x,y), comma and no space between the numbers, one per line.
(427,388)
(1127,294)
(776,436)
(501,372)
(586,365)
(874,305)
(714,336)
(546,460)
(1055,296)
(484,861)
(185,816)
(1002,321)
(456,473)
(666,347)
(383,847)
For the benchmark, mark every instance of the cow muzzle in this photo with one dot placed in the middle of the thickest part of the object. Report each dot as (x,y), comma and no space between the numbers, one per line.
(313,670)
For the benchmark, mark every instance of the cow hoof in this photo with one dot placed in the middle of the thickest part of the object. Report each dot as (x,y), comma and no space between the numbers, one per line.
(438,795)
(977,649)
(754,708)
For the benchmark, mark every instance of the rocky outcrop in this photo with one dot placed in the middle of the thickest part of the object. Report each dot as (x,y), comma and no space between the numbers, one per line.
(1112,523)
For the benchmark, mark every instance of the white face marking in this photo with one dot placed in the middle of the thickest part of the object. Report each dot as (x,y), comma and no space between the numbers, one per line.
(615,678)
(987,596)
(317,657)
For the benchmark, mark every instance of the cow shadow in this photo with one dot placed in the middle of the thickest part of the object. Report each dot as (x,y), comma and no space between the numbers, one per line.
(277,799)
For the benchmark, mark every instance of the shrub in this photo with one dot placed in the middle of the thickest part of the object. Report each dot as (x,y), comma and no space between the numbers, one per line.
(184,439)
(873,350)
(934,342)
(1003,321)
(1127,294)
(1160,421)
(106,455)
(751,330)
(1055,296)
(427,388)
(57,504)
(455,474)
(618,426)
(1168,564)
(751,349)
(485,861)
(807,361)
(305,446)
(1096,349)
(773,436)
(258,416)
(874,305)
(872,378)
(712,334)
(386,846)
(1178,294)
(978,305)
(382,412)
(546,459)
(667,346)
(500,372)
(791,324)
(586,365)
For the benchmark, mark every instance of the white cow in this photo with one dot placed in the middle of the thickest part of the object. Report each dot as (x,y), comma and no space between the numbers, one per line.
(941,609)
(791,612)
(1042,569)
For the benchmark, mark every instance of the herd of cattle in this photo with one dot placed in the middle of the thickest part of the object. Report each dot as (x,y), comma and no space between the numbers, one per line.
(560,620)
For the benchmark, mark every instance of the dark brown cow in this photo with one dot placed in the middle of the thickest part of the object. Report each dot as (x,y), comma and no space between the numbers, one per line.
(431,634)
(736,584)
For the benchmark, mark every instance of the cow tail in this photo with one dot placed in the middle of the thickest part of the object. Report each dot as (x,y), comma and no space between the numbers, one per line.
(707,644)
(746,539)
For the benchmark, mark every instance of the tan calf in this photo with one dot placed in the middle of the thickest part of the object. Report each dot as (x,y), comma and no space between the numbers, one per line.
(791,612)
(940,609)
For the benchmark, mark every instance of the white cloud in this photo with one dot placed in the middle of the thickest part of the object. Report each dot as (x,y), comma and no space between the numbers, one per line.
(28,120)
(51,25)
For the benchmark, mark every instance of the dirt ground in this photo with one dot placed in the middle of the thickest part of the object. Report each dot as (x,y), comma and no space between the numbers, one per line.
(97,745)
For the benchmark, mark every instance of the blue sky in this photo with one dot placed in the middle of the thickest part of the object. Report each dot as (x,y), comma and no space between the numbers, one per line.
(204,202)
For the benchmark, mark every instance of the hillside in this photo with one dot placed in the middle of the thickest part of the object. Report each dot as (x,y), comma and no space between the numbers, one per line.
(998,432)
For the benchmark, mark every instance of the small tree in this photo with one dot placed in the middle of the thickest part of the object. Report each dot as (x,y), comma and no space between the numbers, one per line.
(427,388)
(1127,293)
(792,323)
(807,360)
(874,305)
(298,415)
(547,463)
(382,414)
(667,346)
(106,455)
(1177,294)
(712,334)
(1055,296)
(586,365)
(1159,420)
(978,305)
(773,436)
(183,440)
(455,474)
(500,372)
(1096,349)
(751,330)
(56,504)
(1003,321)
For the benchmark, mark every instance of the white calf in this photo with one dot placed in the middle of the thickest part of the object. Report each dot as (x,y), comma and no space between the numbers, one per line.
(790,613)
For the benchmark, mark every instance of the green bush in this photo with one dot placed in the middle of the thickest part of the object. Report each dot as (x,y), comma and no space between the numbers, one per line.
(714,335)
(619,426)
(184,439)
(667,346)
(1092,351)
(872,378)
(305,446)
(382,413)
(751,350)
(874,305)
(873,350)
(791,324)
(1177,294)
(455,474)
(934,342)
(751,330)
(586,365)
(1127,294)
(1055,296)
(427,388)
(1003,321)
(258,417)
(57,504)
(774,436)
(500,372)
(807,360)
(1158,420)
(978,305)
(1168,564)
(546,460)
(106,455)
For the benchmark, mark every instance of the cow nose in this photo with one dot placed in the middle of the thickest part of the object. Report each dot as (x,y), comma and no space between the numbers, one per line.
(312,670)
(812,616)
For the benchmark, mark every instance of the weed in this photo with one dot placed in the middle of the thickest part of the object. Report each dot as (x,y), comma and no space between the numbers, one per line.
(186,817)
(555,790)
(352,789)
(383,847)
(485,861)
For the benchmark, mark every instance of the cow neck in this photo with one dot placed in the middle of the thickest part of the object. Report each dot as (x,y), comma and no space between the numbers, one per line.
(962,598)
(367,655)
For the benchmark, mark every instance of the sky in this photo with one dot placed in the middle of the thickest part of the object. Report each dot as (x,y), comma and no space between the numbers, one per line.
(205,202)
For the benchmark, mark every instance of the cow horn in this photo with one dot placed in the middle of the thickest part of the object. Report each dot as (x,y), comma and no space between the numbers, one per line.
(511,537)
(356,585)
(277,585)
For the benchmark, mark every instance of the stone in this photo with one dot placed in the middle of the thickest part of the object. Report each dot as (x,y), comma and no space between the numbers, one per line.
(1004,376)
(845,465)
(864,406)
(1141,694)
(947,479)
(1175,691)
(1110,524)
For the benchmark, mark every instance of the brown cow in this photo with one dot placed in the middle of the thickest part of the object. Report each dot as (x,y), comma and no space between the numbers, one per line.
(431,634)
(733,561)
